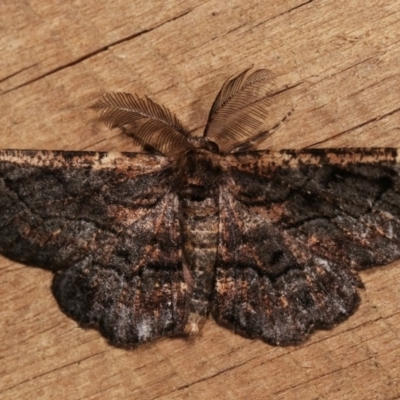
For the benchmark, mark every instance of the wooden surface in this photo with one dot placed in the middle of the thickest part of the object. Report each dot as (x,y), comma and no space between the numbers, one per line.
(340,63)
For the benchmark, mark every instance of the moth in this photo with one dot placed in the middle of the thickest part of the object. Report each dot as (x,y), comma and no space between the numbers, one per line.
(145,245)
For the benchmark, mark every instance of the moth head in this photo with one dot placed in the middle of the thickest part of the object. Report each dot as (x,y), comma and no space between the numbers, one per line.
(203,143)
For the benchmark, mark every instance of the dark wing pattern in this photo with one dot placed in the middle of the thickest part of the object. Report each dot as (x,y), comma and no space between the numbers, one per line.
(107,225)
(295,227)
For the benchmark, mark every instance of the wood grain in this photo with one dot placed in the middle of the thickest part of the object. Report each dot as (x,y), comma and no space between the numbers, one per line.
(337,64)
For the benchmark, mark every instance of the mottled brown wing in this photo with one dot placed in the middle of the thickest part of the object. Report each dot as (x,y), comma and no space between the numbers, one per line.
(295,227)
(107,225)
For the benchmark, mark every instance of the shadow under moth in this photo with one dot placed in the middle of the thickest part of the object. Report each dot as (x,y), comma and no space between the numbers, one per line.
(144,245)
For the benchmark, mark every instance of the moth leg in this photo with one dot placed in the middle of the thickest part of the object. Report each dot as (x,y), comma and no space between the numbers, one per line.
(251,144)
(194,324)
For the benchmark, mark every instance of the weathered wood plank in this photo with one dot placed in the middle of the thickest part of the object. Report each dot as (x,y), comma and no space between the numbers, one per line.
(342,61)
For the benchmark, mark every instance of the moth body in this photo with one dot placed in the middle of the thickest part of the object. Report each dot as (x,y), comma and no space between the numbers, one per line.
(199,226)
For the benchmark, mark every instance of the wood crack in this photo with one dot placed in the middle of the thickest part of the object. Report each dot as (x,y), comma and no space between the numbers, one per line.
(88,55)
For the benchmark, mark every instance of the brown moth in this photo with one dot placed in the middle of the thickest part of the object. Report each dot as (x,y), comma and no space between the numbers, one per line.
(148,244)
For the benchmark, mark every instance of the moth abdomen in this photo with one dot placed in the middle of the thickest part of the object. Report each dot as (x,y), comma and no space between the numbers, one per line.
(199,224)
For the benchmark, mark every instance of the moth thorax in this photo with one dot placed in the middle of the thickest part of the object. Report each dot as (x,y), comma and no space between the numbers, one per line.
(200,173)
